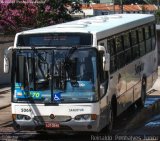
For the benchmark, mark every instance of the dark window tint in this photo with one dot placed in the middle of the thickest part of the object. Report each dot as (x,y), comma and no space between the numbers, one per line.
(148,45)
(135,50)
(128,55)
(153,42)
(126,40)
(140,34)
(118,44)
(111,46)
(142,48)
(113,64)
(134,37)
(152,28)
(147,32)
(120,60)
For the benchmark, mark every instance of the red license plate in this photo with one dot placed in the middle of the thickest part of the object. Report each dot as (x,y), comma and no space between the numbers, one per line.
(52,125)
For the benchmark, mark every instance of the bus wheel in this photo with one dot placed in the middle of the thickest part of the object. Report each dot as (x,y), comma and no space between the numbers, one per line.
(141,101)
(143,91)
(111,121)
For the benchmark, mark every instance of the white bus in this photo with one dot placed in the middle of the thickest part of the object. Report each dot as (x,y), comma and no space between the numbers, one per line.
(78,76)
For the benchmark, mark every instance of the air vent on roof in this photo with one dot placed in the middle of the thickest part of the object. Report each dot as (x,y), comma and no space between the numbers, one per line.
(114,16)
(84,22)
(96,20)
(72,25)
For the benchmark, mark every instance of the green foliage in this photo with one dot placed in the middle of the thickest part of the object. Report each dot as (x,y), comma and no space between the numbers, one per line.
(53,12)
(14,16)
(157,13)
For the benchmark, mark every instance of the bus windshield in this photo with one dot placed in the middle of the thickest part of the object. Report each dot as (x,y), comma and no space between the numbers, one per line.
(58,75)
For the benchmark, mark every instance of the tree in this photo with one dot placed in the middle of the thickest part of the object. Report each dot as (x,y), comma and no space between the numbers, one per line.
(26,13)
(53,12)
(14,15)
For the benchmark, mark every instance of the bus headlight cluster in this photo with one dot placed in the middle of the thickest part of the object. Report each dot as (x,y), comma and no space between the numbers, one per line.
(86,117)
(20,117)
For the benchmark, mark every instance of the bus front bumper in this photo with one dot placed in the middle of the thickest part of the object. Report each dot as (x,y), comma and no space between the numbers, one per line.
(72,125)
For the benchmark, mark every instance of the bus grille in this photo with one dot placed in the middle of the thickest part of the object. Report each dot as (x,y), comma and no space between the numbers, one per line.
(55,119)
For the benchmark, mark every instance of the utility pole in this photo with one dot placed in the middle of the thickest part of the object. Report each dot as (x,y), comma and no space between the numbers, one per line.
(113,6)
(121,5)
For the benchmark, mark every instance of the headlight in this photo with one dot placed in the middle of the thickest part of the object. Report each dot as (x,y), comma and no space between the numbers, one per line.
(86,117)
(21,117)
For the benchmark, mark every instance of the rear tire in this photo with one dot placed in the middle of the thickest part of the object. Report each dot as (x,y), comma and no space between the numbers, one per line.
(141,101)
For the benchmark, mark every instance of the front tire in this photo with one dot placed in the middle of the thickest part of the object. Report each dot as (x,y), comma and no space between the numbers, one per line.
(111,121)
(112,118)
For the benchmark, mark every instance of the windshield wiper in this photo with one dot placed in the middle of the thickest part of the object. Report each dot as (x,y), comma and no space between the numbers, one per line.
(70,66)
(39,55)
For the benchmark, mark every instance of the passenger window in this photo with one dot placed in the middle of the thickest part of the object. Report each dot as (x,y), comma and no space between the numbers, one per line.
(147,32)
(152,28)
(135,50)
(134,37)
(142,48)
(153,42)
(111,46)
(118,44)
(140,35)
(128,55)
(120,60)
(148,45)
(113,66)
(126,40)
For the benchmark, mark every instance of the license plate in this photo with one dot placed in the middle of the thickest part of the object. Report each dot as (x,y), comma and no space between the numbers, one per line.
(52,125)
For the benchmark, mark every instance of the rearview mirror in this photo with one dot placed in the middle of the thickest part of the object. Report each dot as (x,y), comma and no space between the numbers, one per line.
(106,58)
(6,66)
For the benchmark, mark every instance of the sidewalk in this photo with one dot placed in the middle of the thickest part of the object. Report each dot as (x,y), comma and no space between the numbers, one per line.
(5,96)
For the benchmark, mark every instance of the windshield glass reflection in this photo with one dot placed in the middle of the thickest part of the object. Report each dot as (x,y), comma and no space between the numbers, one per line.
(57,75)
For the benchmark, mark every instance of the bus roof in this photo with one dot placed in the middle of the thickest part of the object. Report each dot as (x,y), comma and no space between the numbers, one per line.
(98,24)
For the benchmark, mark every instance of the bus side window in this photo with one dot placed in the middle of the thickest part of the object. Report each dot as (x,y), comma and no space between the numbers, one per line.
(134,40)
(127,47)
(128,56)
(141,42)
(148,39)
(111,46)
(111,49)
(126,40)
(153,36)
(118,44)
(120,59)
(134,44)
(119,51)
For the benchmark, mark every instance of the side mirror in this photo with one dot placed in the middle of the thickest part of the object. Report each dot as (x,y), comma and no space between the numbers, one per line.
(106,58)
(6,66)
